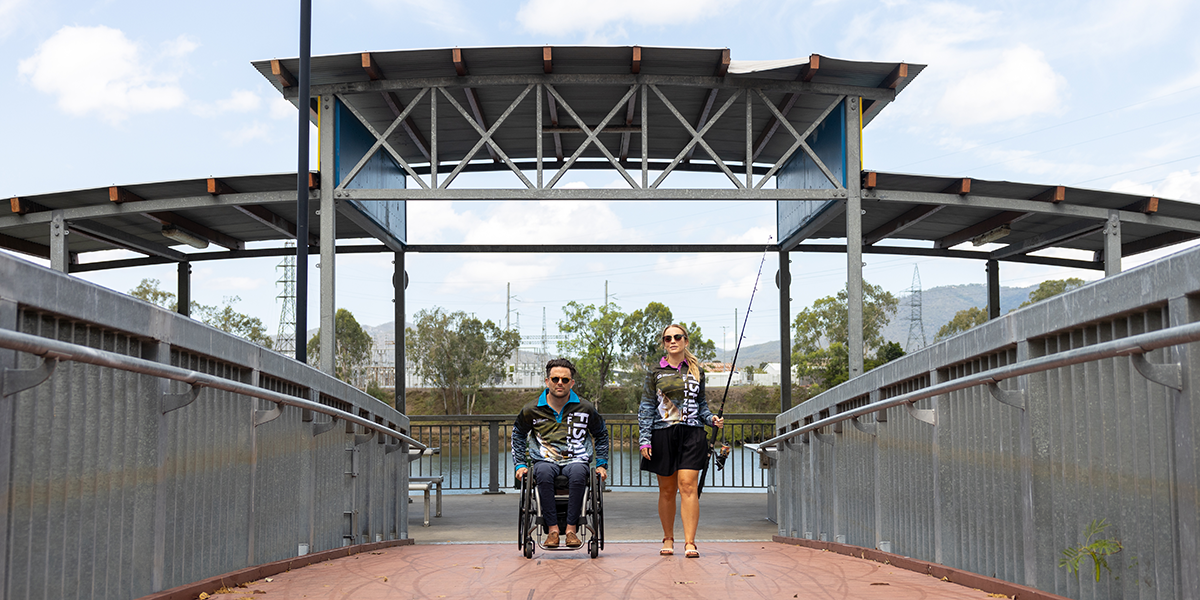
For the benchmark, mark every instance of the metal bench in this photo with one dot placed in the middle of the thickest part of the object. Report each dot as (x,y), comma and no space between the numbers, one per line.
(424,484)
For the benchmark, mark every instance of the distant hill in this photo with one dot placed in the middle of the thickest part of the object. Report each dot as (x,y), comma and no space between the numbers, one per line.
(938,306)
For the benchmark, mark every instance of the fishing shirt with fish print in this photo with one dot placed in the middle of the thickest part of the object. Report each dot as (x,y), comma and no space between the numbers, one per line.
(672,396)
(573,435)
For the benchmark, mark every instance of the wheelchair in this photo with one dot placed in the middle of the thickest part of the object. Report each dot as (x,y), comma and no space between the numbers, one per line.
(531,526)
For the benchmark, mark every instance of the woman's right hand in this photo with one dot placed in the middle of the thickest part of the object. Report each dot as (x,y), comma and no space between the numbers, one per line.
(646,453)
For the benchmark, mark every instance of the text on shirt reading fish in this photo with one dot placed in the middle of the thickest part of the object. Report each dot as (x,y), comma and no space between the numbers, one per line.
(577,434)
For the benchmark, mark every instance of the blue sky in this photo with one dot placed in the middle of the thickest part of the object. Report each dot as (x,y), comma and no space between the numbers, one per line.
(1090,94)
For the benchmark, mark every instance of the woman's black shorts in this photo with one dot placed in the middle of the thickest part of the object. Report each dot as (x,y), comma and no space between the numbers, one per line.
(676,447)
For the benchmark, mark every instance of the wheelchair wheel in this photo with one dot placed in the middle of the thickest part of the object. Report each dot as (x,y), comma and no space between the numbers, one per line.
(600,511)
(596,515)
(529,548)
(526,515)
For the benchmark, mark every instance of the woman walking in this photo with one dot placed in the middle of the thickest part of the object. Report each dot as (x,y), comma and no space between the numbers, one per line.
(674,446)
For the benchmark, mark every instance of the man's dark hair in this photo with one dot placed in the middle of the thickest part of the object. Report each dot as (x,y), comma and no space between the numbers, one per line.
(560,362)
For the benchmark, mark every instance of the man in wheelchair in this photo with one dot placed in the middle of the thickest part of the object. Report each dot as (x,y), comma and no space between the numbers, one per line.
(558,434)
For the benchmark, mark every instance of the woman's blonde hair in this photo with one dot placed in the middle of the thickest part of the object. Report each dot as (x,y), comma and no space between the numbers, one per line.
(692,361)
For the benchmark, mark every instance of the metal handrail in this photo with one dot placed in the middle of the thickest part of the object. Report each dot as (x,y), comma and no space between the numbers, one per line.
(58,350)
(1136,344)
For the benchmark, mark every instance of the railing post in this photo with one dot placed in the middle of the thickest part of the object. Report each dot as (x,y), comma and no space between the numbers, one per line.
(493,458)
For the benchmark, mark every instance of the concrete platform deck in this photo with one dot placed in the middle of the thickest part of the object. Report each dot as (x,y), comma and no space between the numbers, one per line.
(628,516)
(625,570)
(471,552)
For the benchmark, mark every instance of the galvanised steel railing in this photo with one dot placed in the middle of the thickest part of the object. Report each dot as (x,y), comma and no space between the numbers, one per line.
(116,480)
(475,452)
(994,450)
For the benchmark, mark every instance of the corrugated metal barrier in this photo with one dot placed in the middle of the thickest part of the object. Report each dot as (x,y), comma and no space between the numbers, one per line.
(994,450)
(117,483)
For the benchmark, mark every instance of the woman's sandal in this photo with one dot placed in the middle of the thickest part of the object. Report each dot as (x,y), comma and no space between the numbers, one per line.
(692,552)
(667,550)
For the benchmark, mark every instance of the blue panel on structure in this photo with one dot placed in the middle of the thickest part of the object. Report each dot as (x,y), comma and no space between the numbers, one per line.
(351,142)
(828,142)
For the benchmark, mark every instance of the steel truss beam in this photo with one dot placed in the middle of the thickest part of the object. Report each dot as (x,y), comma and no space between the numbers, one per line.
(722,83)
(583,248)
(111,209)
(534,195)
(1031,206)
(546,86)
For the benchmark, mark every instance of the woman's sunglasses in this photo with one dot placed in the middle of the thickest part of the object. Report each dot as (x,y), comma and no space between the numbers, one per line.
(667,338)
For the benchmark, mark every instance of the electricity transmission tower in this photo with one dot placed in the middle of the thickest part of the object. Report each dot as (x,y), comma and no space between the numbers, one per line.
(285,336)
(916,326)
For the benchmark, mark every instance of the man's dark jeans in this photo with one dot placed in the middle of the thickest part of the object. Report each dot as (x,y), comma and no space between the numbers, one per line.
(577,476)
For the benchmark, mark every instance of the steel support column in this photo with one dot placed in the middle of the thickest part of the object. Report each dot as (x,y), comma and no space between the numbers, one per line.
(59,255)
(163,473)
(328,232)
(302,187)
(399,283)
(1028,543)
(1183,311)
(183,288)
(785,331)
(993,288)
(854,237)
(1112,244)
(8,360)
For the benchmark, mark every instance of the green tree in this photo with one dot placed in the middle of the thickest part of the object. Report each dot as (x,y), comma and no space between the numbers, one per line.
(459,354)
(224,317)
(487,348)
(822,334)
(149,291)
(594,343)
(963,320)
(640,332)
(704,349)
(352,347)
(1051,288)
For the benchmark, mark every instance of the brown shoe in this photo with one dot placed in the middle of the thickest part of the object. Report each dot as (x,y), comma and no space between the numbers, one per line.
(573,540)
(551,539)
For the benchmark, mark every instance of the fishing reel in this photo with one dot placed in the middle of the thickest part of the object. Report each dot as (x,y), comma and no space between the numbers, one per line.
(722,456)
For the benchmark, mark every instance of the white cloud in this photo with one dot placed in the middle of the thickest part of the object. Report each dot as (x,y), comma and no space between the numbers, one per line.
(239,101)
(9,10)
(564,17)
(481,276)
(282,109)
(1021,83)
(448,16)
(436,219)
(180,46)
(99,70)
(212,279)
(249,133)
(1180,185)
(548,222)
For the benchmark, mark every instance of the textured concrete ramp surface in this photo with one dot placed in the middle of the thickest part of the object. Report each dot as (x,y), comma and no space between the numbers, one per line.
(725,571)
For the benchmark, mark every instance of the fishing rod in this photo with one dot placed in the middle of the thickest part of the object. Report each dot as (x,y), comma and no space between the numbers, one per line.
(723,454)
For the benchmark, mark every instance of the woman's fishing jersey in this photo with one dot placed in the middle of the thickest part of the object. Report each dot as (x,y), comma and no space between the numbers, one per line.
(559,437)
(671,397)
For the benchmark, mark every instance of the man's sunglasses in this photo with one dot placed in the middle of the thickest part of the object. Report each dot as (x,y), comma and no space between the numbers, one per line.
(560,380)
(667,338)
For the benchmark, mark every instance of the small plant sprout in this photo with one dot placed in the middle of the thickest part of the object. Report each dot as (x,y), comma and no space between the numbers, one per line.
(1097,549)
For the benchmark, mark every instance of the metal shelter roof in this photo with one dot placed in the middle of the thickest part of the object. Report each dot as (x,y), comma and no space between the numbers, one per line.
(591,80)
(591,101)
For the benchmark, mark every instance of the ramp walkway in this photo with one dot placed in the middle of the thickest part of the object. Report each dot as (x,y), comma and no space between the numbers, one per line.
(471,552)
